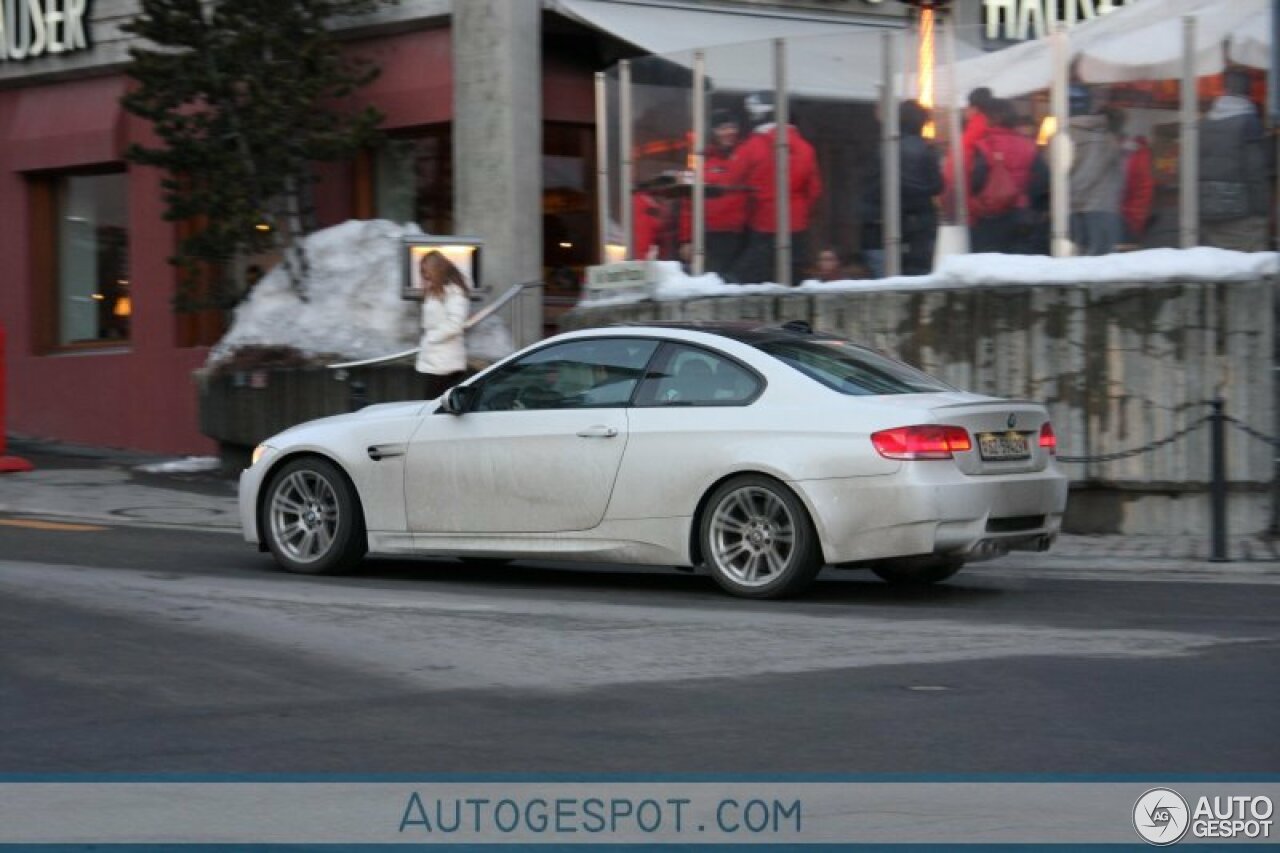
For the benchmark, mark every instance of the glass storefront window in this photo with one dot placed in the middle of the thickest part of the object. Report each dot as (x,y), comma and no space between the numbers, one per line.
(94,300)
(413,180)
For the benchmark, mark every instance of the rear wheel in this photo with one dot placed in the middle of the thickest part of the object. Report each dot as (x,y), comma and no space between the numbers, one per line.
(921,572)
(757,539)
(312,521)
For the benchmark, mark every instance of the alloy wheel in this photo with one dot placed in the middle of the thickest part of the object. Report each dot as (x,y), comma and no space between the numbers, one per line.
(752,536)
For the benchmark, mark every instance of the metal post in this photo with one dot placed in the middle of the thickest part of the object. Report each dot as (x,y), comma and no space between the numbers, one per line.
(1273,113)
(1060,245)
(1218,485)
(1189,145)
(956,131)
(782,163)
(602,166)
(624,143)
(359,395)
(891,163)
(699,259)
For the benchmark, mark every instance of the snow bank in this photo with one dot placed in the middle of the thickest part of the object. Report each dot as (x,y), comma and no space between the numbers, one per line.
(353,309)
(957,271)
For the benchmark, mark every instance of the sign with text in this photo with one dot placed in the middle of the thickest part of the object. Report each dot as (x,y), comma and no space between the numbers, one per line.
(30,29)
(1020,20)
(624,278)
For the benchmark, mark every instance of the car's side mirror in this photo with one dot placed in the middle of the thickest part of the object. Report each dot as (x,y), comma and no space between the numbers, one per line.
(457,399)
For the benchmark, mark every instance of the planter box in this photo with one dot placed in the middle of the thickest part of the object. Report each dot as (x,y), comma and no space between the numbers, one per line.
(239,409)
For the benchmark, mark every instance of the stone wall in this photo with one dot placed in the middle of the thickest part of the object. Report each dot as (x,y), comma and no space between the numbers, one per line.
(1120,366)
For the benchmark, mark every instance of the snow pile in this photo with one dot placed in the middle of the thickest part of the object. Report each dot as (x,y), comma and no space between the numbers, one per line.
(958,271)
(353,309)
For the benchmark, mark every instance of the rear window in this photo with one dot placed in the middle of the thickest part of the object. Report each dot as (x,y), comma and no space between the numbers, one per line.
(850,369)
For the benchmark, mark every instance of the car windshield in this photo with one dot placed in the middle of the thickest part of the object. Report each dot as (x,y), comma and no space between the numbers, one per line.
(851,369)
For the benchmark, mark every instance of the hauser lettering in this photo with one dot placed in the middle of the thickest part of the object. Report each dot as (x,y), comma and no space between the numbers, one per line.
(33,28)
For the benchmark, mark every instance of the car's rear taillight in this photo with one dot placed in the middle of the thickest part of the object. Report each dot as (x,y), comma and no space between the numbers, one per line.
(926,441)
(1048,441)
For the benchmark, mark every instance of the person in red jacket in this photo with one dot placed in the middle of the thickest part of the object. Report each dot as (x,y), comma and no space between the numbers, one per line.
(756,164)
(1005,164)
(725,212)
(975,127)
(646,225)
(1139,180)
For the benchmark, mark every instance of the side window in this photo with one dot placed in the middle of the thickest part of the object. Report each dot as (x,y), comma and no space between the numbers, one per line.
(690,376)
(587,374)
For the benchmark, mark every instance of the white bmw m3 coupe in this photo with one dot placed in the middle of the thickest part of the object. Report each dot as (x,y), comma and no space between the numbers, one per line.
(757,453)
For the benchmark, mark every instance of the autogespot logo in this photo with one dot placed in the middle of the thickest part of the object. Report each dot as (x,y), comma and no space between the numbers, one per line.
(1161,816)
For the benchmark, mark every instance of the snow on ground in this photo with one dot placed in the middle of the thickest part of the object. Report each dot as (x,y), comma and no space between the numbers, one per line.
(958,271)
(353,308)
(186,465)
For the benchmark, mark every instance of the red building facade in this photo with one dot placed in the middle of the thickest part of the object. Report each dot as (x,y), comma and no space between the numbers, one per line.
(96,353)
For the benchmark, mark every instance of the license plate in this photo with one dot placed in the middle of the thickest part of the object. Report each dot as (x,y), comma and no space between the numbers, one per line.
(1003,445)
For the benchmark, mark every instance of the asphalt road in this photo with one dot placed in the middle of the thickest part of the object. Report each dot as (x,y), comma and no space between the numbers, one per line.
(134,651)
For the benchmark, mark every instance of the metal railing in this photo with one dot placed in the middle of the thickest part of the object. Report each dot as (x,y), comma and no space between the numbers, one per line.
(511,307)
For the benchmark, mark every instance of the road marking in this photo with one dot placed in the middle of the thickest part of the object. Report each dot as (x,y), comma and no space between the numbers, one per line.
(50,525)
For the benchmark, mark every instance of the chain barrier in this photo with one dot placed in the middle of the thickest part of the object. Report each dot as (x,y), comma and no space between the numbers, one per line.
(1138,451)
(1251,432)
(1182,433)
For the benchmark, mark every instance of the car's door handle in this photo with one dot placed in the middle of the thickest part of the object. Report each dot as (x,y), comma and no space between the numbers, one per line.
(598,432)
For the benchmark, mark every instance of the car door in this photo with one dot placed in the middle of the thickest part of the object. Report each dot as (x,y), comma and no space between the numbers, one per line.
(538,449)
(691,420)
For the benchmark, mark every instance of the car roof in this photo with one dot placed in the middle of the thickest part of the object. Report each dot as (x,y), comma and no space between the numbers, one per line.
(744,332)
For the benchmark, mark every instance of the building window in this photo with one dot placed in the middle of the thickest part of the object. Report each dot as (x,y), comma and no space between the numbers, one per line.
(81,245)
(413,180)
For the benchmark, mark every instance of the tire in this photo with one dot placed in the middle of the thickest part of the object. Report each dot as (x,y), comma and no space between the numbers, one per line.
(921,572)
(757,539)
(311,519)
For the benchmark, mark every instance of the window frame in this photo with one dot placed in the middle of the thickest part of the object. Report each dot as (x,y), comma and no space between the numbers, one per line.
(492,375)
(45,286)
(673,347)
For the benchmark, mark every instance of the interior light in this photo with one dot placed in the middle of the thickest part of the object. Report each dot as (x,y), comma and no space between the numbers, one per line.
(1048,127)
(614,253)
(566,245)
(123,307)
(263,226)
(98,297)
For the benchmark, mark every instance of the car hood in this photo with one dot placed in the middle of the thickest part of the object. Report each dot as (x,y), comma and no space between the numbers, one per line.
(380,411)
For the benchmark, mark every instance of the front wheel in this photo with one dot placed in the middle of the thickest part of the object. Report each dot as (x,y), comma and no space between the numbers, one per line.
(757,539)
(312,521)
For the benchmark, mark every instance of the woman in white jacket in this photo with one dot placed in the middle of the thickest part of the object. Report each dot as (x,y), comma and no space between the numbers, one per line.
(442,354)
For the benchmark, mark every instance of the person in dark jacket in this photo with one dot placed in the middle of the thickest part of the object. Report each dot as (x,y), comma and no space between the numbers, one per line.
(920,181)
(1234,185)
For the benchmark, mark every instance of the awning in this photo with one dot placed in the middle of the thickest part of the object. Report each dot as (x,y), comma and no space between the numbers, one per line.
(68,124)
(828,55)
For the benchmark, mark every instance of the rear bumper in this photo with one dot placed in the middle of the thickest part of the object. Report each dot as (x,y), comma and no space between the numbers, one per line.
(933,508)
